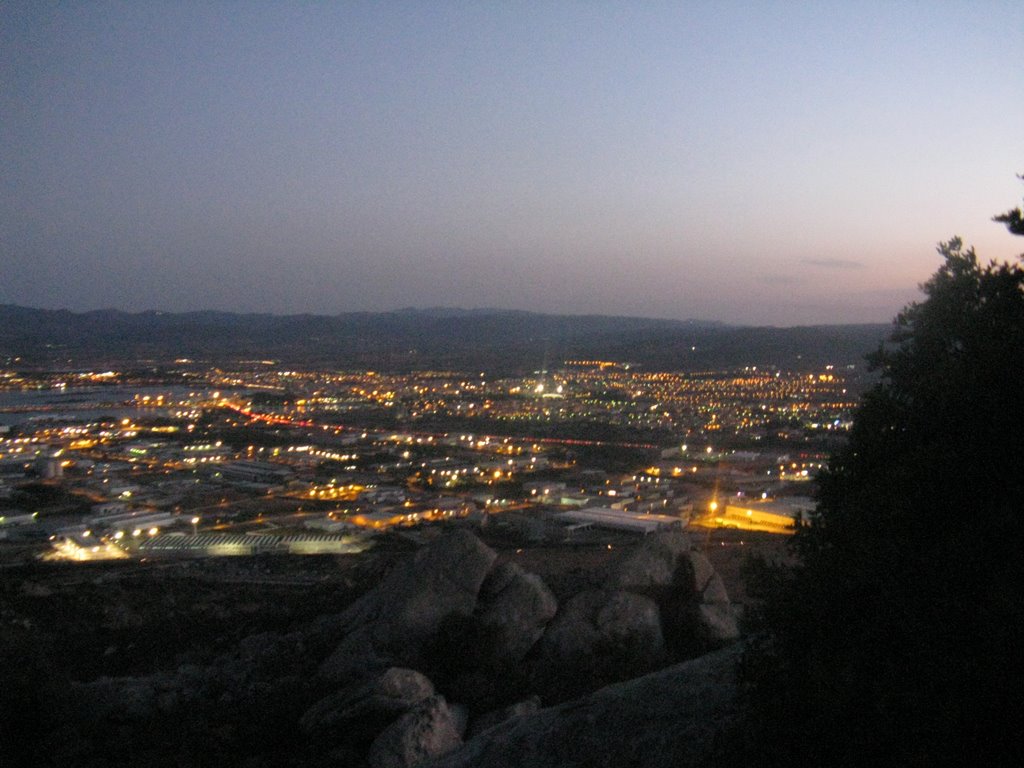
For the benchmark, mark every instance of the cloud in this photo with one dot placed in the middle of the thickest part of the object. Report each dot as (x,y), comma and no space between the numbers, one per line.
(835,263)
(778,279)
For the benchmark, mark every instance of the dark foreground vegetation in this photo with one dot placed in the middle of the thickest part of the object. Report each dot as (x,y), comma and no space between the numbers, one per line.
(63,624)
(898,641)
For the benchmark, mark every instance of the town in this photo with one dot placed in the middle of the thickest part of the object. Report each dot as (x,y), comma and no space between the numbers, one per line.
(189,460)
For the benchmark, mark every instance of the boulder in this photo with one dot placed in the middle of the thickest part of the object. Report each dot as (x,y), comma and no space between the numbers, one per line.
(389,624)
(514,608)
(595,620)
(653,563)
(718,623)
(429,730)
(498,716)
(700,570)
(696,613)
(695,609)
(358,713)
(597,638)
(717,617)
(666,719)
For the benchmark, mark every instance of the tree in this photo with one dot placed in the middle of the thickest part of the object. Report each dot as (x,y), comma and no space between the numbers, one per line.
(1013,219)
(898,639)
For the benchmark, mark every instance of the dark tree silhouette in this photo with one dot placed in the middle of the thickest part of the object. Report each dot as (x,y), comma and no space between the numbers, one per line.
(899,640)
(1014,220)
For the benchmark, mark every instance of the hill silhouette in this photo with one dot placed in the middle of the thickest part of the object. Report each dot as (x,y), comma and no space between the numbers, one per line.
(413,339)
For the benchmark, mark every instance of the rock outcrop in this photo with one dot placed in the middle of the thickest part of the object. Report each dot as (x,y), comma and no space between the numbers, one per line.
(389,625)
(513,610)
(597,638)
(430,729)
(498,716)
(665,719)
(596,620)
(695,609)
(653,563)
(717,617)
(447,625)
(357,714)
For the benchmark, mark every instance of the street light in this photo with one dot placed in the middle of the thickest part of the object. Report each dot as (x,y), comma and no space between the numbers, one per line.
(195,522)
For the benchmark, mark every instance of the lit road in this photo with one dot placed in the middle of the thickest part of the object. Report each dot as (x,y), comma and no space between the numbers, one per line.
(285,421)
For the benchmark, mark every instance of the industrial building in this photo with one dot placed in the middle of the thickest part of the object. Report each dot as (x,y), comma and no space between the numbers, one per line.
(618,520)
(229,544)
(256,472)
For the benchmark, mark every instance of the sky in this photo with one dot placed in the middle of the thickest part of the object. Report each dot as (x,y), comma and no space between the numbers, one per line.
(755,163)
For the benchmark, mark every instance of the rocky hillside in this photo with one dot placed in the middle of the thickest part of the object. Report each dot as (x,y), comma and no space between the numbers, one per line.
(454,658)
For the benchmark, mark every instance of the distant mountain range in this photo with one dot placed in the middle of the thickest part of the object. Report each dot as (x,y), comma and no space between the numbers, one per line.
(416,339)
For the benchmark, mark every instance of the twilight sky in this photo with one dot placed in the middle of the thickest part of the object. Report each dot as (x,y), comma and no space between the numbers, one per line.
(772,163)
